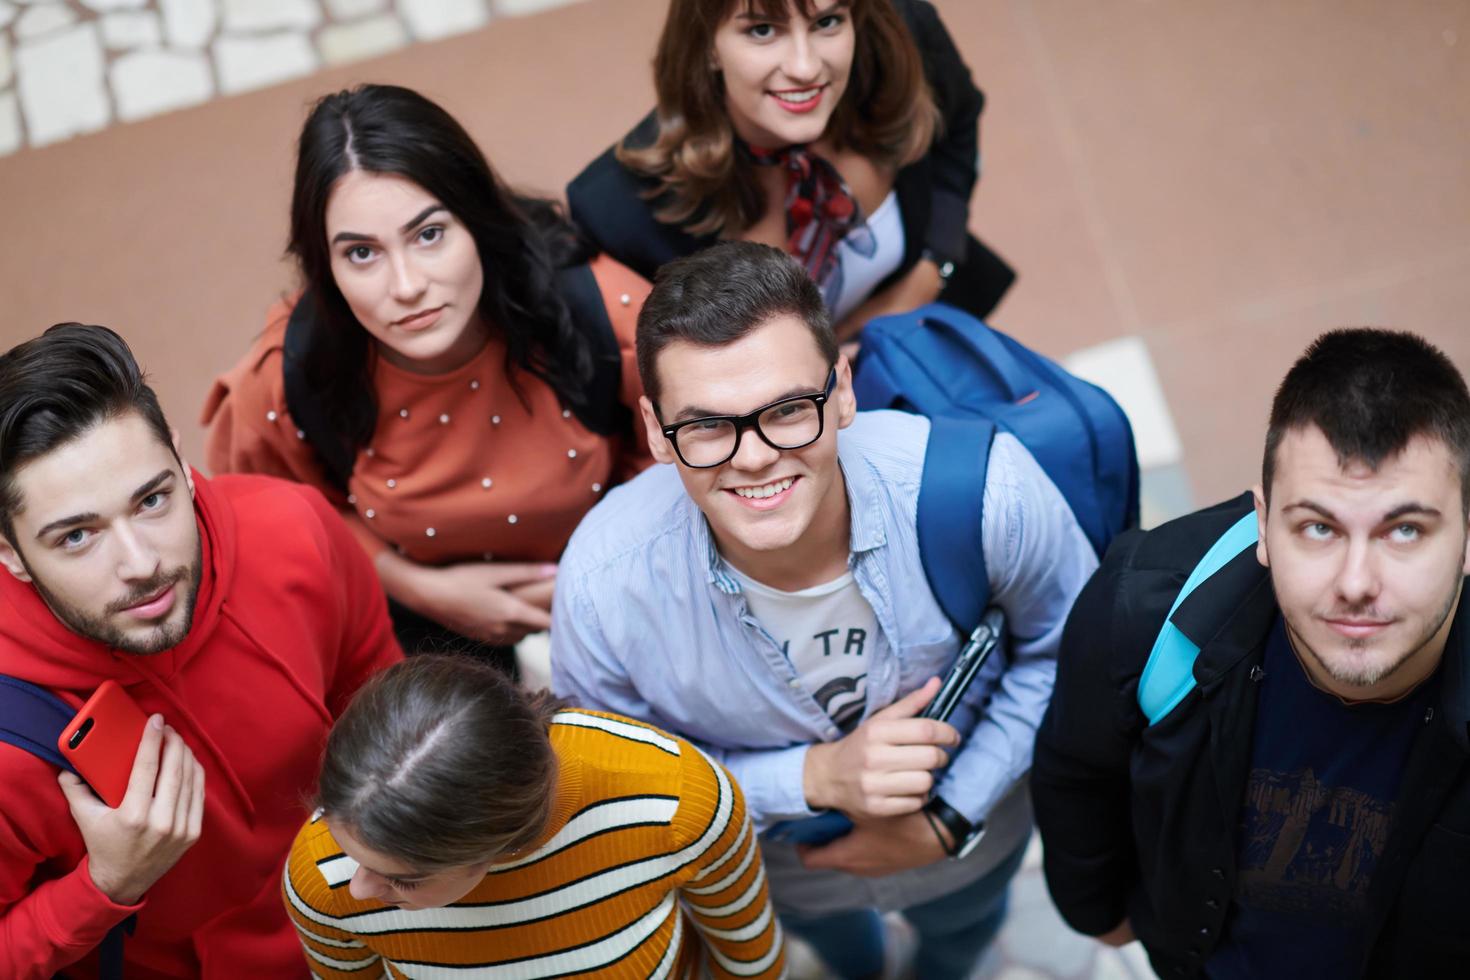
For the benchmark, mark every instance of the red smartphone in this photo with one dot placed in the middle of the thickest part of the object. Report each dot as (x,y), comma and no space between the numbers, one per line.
(102,741)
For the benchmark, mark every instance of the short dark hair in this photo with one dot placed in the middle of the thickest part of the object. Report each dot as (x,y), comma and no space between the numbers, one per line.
(1371,391)
(442,761)
(55,387)
(715,297)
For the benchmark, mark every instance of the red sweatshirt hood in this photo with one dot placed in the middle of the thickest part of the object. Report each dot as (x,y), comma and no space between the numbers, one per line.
(44,651)
(289,620)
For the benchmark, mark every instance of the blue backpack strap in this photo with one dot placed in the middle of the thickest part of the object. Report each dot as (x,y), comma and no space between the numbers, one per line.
(32,718)
(951,498)
(1169,673)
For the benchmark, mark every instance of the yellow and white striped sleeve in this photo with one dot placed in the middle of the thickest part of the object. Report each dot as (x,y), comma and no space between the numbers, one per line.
(725,889)
(332,953)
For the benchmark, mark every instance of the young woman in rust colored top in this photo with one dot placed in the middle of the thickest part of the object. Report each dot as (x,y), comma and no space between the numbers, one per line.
(456,376)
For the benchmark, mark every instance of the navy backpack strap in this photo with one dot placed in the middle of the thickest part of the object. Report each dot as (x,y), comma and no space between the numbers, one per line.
(951,498)
(603,412)
(1169,673)
(32,719)
(306,408)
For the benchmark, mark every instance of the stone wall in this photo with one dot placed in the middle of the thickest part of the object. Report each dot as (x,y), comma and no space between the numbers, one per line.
(75,66)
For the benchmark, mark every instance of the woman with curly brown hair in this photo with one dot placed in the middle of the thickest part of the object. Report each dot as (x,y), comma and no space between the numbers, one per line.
(845,132)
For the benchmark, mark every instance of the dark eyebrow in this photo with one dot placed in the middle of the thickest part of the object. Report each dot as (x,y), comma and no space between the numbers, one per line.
(66,522)
(1402,510)
(750,14)
(1413,507)
(91,516)
(699,412)
(405,228)
(152,485)
(1312,506)
(418,219)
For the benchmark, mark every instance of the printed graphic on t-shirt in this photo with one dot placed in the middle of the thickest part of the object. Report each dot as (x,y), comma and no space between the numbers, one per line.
(829,634)
(1308,848)
(840,650)
(1313,823)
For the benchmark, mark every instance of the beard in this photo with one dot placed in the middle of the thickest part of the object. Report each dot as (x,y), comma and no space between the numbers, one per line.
(1367,674)
(100,626)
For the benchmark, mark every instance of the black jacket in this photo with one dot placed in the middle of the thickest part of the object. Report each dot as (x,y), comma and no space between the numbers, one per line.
(607,200)
(1140,821)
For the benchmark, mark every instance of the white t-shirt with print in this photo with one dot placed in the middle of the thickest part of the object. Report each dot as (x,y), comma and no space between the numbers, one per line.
(829,634)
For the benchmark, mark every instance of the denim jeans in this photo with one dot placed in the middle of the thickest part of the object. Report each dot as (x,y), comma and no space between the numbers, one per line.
(953,930)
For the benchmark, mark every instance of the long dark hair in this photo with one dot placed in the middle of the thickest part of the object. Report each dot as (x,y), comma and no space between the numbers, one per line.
(522,242)
(442,762)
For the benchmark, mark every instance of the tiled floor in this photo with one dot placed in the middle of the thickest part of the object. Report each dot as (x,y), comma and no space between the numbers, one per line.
(1198,188)
(79,65)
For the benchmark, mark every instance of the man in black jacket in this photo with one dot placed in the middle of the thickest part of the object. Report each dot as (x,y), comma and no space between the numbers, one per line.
(1303,809)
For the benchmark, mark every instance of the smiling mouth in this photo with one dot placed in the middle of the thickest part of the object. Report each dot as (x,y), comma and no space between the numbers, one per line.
(799,96)
(764,490)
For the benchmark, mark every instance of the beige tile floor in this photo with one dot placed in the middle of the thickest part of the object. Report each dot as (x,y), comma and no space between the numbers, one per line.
(1218,180)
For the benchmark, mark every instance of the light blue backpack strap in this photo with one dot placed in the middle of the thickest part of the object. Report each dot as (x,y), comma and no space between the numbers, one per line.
(1169,674)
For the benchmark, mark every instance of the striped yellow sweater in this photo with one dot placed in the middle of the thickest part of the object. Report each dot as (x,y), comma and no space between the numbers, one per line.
(648,852)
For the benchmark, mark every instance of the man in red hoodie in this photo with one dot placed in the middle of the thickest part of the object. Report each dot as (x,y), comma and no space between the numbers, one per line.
(238,612)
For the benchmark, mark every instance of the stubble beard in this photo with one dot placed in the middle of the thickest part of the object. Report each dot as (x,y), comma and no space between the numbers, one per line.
(101,628)
(1367,675)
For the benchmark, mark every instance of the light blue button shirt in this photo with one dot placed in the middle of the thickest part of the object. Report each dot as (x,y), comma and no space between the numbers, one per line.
(649,622)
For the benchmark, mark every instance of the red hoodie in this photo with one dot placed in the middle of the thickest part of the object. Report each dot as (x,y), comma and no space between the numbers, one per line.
(290,620)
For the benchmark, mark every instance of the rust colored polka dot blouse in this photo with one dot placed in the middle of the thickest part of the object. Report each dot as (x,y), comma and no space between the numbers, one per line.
(459,468)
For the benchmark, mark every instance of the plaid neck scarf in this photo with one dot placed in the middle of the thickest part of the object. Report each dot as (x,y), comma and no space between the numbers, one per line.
(820,212)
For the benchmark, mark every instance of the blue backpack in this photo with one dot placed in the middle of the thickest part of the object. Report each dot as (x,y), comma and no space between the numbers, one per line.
(972,381)
(32,719)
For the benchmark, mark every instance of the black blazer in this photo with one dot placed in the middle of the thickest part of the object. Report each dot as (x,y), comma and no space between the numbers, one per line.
(1140,821)
(607,200)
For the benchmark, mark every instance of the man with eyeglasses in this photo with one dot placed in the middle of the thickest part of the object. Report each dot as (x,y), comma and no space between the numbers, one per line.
(763,597)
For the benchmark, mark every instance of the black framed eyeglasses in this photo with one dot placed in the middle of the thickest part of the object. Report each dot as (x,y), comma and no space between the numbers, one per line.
(788,423)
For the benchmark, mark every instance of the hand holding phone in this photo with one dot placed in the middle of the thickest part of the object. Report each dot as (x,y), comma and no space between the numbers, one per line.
(102,740)
(161,813)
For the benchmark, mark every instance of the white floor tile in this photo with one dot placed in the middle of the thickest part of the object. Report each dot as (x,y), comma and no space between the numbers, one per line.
(352,9)
(341,43)
(188,23)
(44,19)
(128,29)
(271,15)
(146,83)
(429,20)
(10,133)
(246,63)
(1124,369)
(62,90)
(517,8)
